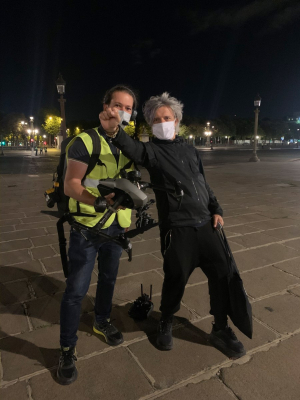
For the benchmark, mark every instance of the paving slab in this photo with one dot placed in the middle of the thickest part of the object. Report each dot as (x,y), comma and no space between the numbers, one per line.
(144,247)
(9,221)
(206,390)
(12,215)
(52,264)
(197,298)
(190,355)
(293,243)
(139,264)
(7,228)
(197,276)
(243,219)
(15,245)
(295,291)
(284,233)
(46,310)
(14,292)
(29,233)
(265,255)
(42,252)
(48,284)
(34,225)
(20,271)
(44,240)
(252,240)
(13,392)
(12,320)
(234,246)
(269,375)
(125,380)
(29,352)
(264,281)
(279,312)
(15,257)
(240,229)
(273,223)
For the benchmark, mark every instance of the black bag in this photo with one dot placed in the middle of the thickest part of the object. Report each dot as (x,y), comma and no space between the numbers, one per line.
(240,308)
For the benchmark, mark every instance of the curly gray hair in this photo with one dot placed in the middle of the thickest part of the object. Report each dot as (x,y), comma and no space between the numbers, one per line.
(166,100)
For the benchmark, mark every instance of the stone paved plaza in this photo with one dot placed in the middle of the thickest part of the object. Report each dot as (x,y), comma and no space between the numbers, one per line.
(261,203)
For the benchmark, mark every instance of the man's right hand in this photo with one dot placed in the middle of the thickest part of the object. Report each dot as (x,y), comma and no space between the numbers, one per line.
(110,119)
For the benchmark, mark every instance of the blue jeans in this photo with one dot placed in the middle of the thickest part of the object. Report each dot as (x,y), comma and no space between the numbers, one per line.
(82,255)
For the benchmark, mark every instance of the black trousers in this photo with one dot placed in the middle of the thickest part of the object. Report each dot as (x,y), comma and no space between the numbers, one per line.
(187,248)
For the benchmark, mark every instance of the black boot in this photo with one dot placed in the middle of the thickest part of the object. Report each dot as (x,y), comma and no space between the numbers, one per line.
(164,339)
(226,341)
(66,371)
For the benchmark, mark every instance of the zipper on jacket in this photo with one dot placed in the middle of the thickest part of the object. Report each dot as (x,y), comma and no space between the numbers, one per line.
(195,189)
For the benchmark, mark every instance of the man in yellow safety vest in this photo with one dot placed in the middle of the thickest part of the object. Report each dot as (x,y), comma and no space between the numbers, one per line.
(84,247)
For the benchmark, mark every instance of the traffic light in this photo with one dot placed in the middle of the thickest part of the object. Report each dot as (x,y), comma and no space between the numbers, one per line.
(31,140)
(2,143)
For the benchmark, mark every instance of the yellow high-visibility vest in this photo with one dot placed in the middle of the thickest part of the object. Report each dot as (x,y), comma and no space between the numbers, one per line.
(108,169)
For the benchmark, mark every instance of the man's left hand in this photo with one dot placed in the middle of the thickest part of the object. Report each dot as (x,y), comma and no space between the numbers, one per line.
(217,219)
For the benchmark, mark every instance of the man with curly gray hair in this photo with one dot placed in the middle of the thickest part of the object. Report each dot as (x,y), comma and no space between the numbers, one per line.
(187,227)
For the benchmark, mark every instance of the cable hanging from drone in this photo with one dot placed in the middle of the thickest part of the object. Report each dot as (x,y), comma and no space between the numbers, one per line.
(129,193)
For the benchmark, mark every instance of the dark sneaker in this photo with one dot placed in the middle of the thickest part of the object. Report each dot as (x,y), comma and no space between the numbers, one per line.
(66,371)
(111,334)
(226,341)
(164,339)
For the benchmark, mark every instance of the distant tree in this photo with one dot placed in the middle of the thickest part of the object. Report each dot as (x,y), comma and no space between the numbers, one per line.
(184,131)
(226,126)
(274,129)
(130,129)
(12,130)
(51,126)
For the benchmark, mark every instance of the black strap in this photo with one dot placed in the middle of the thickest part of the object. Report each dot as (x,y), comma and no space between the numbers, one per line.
(63,243)
(94,159)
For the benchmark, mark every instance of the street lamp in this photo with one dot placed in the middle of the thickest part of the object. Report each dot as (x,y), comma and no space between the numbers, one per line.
(207,133)
(257,102)
(60,84)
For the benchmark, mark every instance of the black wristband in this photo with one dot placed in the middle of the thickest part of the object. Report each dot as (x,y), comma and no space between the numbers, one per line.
(100,204)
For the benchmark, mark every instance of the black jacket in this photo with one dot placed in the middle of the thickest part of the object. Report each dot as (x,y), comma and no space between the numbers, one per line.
(168,162)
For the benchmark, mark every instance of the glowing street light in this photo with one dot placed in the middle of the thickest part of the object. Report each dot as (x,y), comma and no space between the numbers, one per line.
(61,84)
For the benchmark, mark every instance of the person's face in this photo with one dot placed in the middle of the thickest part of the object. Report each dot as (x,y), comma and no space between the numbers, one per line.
(164,114)
(122,101)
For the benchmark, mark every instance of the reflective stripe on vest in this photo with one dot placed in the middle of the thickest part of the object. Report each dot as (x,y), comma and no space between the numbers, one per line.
(101,172)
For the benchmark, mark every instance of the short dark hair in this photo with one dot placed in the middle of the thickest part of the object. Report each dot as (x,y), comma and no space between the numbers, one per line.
(120,88)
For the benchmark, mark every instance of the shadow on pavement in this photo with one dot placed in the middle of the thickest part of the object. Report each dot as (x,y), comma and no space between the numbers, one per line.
(44,312)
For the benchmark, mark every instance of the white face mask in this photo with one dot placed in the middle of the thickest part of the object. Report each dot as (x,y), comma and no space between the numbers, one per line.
(125,117)
(164,130)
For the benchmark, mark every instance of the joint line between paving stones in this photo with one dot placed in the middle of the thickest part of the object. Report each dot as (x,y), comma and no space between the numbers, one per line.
(264,324)
(30,325)
(226,387)
(134,274)
(43,267)
(279,293)
(149,378)
(29,390)
(282,242)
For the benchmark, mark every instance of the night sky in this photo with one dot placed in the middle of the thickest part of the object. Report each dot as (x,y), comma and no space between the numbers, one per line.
(212,55)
